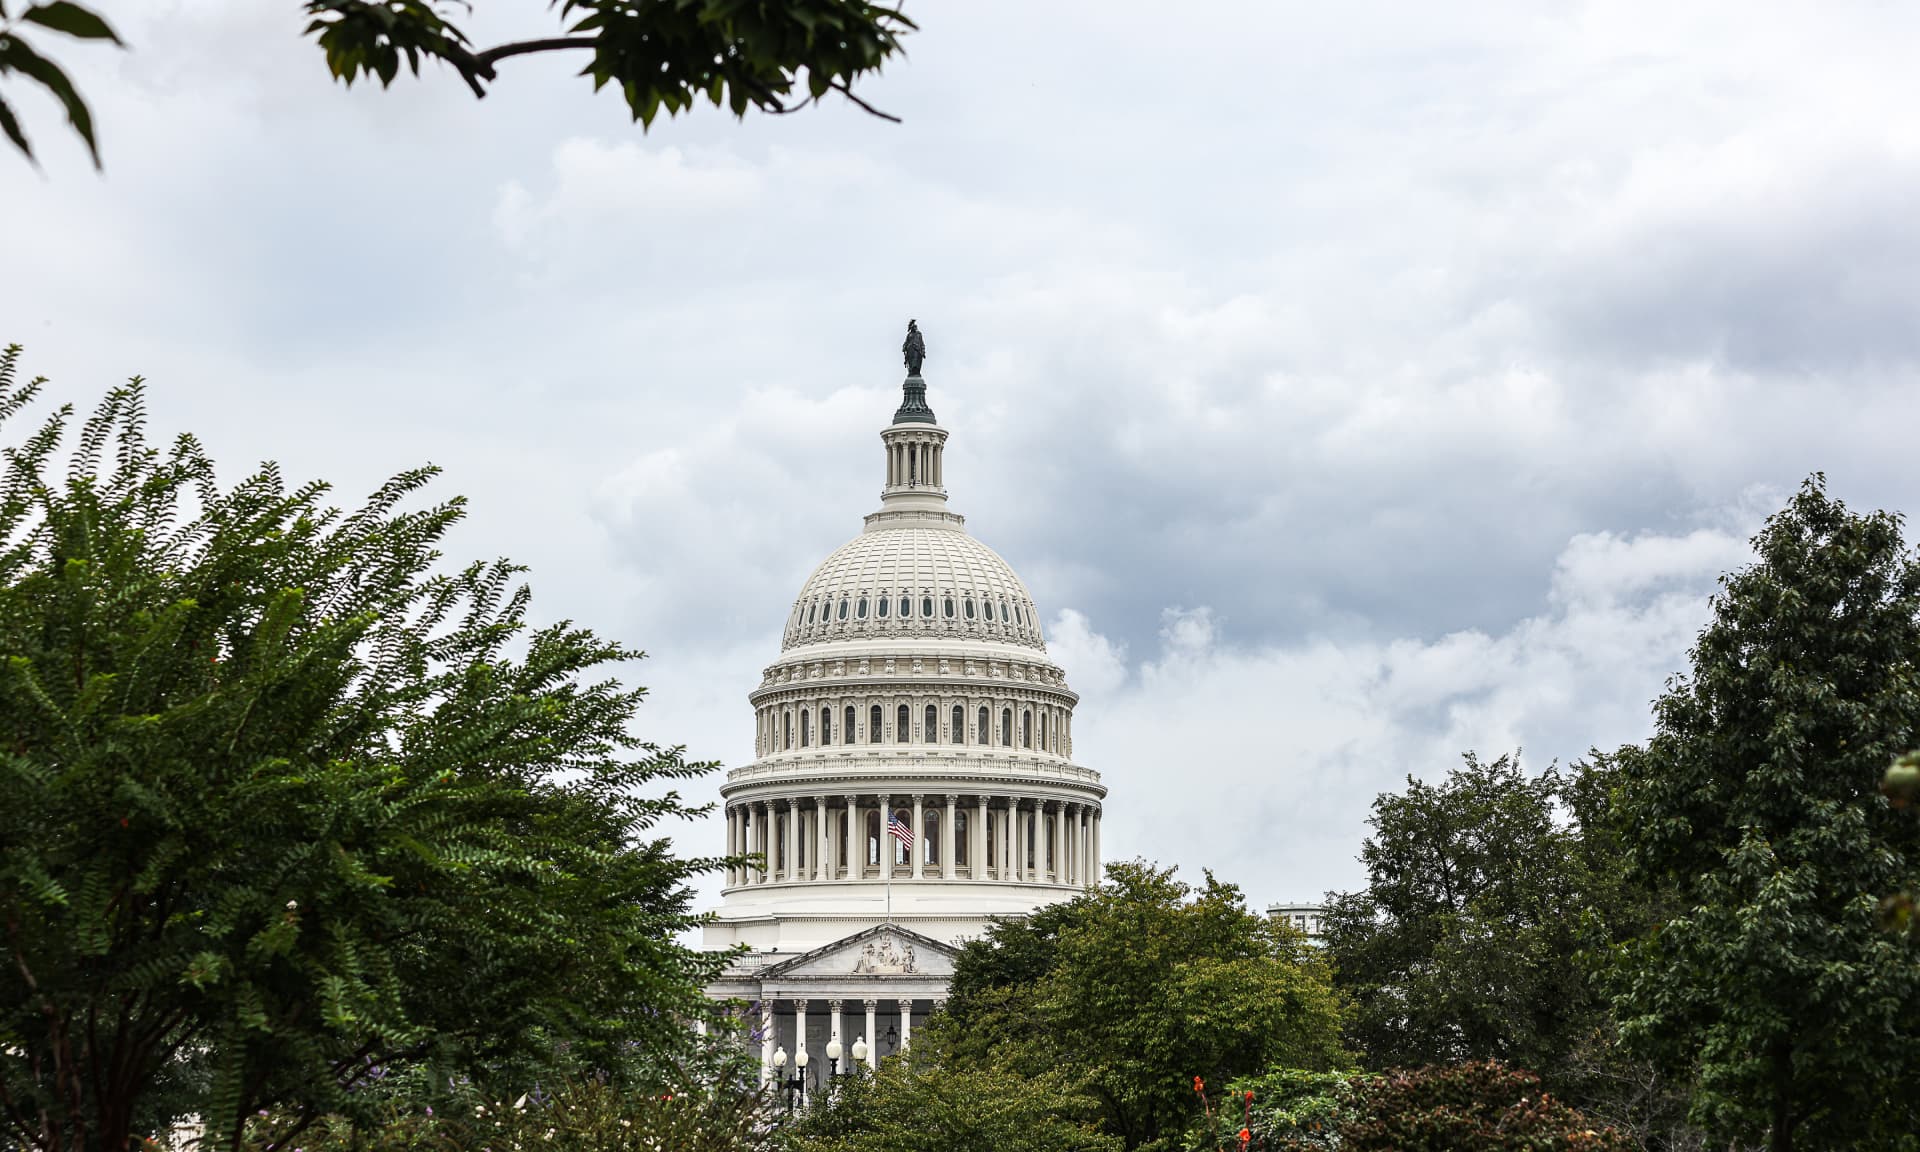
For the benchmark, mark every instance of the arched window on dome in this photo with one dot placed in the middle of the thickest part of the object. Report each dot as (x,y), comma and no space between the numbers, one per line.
(843,607)
(787,724)
(806,728)
(1043,731)
(849,733)
(906,607)
(1019,616)
(949,607)
(810,610)
(875,724)
(826,727)
(1005,616)
(983,734)
(932,733)
(1006,727)
(961,839)
(959,733)
(926,607)
(873,838)
(901,858)
(882,606)
(860,612)
(969,604)
(930,837)
(1026,729)
(902,725)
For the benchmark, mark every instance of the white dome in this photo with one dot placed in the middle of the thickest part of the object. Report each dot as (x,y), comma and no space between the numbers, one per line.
(911,581)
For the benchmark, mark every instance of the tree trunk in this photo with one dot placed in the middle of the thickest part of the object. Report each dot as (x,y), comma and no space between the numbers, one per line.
(1780,1135)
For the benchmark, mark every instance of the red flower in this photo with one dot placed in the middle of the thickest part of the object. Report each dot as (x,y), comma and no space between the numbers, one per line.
(1249,1095)
(1199,1085)
(1244,1137)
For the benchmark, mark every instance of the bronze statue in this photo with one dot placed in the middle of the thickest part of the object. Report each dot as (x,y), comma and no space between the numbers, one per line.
(915,348)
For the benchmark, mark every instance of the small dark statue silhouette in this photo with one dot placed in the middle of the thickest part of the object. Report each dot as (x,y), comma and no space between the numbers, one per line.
(915,348)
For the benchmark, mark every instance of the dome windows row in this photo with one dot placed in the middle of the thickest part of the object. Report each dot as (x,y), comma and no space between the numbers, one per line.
(1004,725)
(946,607)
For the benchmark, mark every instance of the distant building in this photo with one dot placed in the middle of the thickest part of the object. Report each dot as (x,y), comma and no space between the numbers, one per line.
(1305,917)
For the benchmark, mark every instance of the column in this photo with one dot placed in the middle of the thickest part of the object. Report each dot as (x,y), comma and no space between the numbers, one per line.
(1019,835)
(856,861)
(872,1037)
(906,1023)
(766,1041)
(948,840)
(977,869)
(799,1027)
(886,846)
(919,852)
(1059,842)
(823,854)
(732,828)
(1096,874)
(760,839)
(793,840)
(1005,871)
(834,1031)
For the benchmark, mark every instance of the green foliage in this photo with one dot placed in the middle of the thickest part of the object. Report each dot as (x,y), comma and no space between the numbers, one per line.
(17,55)
(1289,1107)
(1134,988)
(935,1104)
(588,1116)
(1464,944)
(287,813)
(1472,1107)
(776,56)
(1756,801)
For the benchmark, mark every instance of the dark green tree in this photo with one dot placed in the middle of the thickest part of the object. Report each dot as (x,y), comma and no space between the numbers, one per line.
(934,1104)
(1464,944)
(776,56)
(1756,802)
(1133,989)
(288,808)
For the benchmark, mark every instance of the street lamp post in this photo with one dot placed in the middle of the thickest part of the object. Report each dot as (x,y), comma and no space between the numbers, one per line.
(795,1083)
(833,1058)
(859,1051)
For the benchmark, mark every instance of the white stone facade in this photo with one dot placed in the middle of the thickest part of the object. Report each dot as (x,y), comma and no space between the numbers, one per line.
(913,682)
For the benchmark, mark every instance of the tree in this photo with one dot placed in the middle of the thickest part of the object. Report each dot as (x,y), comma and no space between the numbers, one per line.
(1464,944)
(931,1104)
(286,809)
(734,54)
(1136,987)
(1483,1106)
(1756,801)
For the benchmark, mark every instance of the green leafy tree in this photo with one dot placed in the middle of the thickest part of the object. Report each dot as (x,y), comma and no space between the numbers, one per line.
(1464,944)
(776,56)
(933,1104)
(1756,801)
(1138,986)
(287,809)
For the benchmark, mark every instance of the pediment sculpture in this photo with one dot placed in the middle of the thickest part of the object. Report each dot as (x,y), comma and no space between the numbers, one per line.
(885,956)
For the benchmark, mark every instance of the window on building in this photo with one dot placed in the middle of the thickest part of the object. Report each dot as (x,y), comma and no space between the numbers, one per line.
(983,735)
(882,607)
(826,727)
(860,610)
(901,859)
(1005,618)
(949,607)
(932,733)
(848,735)
(810,610)
(926,607)
(1044,746)
(1006,727)
(805,728)
(906,608)
(786,721)
(959,733)
(875,724)
(969,606)
(1026,729)
(843,607)
(962,834)
(902,725)
(1019,616)
(873,838)
(930,838)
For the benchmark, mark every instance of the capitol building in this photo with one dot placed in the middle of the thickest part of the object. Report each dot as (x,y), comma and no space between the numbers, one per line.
(913,774)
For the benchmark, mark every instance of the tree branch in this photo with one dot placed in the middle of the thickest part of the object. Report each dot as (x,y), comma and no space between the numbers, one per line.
(528,47)
(842,87)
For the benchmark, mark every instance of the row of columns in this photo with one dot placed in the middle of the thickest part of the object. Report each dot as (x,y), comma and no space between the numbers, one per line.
(1048,728)
(1016,846)
(836,1030)
(915,464)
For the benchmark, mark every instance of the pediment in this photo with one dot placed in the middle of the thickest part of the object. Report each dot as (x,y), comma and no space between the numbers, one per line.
(885,950)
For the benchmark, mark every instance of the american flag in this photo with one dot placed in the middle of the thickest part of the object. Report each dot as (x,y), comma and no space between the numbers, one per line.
(899,831)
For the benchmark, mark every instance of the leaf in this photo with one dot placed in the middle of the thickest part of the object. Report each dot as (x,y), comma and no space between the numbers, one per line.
(26,61)
(66,16)
(10,124)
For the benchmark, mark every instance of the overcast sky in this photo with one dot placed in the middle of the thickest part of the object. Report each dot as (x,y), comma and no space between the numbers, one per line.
(1353,385)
